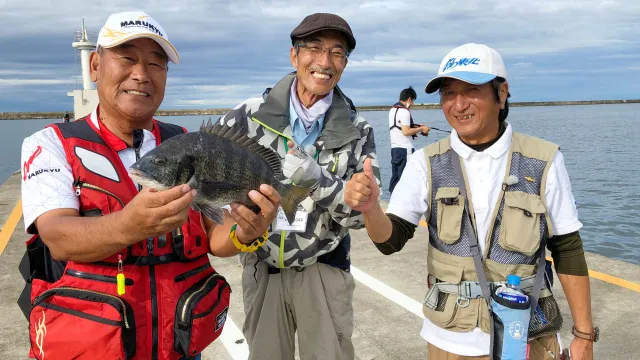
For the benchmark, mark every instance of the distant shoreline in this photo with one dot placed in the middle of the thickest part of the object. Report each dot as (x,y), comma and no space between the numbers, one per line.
(204,112)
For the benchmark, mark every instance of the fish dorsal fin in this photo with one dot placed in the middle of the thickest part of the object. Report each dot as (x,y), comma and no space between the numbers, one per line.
(235,134)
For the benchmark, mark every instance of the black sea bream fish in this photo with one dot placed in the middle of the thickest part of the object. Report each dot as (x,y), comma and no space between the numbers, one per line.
(222,164)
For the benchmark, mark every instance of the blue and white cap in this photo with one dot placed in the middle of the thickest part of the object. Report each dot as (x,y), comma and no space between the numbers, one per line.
(473,63)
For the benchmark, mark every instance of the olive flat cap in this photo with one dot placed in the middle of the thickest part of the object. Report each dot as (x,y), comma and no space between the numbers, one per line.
(324,21)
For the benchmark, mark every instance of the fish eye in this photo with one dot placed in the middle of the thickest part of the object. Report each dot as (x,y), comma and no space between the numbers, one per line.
(160,160)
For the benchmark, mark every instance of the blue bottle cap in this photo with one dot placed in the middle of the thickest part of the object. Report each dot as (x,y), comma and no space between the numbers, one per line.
(513,280)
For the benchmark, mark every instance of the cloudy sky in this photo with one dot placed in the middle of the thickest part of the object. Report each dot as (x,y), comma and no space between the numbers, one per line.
(231,50)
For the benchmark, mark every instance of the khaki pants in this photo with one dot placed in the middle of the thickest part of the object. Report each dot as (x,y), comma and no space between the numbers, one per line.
(539,350)
(315,302)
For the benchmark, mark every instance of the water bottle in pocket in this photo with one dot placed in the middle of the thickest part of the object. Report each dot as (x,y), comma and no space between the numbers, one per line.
(511,309)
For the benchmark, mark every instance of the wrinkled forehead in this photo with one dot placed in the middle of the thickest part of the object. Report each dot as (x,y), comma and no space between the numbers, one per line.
(143,45)
(451,83)
(330,38)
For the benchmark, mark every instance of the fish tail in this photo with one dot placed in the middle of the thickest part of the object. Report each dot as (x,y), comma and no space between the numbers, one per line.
(291,197)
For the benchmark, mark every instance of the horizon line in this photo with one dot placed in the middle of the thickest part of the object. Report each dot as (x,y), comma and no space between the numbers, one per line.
(24,115)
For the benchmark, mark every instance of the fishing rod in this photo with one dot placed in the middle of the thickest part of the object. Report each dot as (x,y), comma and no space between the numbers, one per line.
(432,128)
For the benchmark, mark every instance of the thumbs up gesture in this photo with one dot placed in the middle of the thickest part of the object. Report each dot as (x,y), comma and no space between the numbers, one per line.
(362,191)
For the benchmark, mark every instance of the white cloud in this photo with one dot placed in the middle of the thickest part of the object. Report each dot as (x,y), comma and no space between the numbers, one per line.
(32,82)
(186,95)
(547,25)
(602,70)
(18,72)
(400,65)
(214,89)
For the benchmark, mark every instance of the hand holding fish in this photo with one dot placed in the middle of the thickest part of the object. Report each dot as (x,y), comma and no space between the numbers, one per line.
(224,165)
(152,213)
(362,191)
(250,224)
(300,167)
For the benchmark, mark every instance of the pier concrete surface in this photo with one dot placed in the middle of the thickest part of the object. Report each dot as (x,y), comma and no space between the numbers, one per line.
(387,298)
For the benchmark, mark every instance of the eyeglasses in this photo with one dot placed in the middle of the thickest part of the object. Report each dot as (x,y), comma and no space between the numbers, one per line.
(316,49)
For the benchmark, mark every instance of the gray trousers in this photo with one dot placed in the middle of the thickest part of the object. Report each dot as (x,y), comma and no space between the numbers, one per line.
(316,302)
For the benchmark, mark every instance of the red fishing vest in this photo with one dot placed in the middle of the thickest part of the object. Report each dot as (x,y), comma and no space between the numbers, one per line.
(175,304)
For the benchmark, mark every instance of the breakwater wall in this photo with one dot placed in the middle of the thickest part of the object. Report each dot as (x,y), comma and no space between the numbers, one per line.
(211,112)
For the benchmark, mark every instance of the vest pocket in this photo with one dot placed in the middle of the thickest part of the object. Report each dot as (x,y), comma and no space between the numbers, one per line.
(450,205)
(547,319)
(61,318)
(190,242)
(447,314)
(444,313)
(520,226)
(200,314)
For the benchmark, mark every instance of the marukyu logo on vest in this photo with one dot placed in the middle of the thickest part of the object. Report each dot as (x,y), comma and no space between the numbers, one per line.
(26,167)
(42,171)
(140,22)
(27,164)
(453,63)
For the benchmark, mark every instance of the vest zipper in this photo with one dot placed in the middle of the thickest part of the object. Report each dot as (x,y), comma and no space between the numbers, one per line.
(154,303)
(185,306)
(79,185)
(96,277)
(138,139)
(190,273)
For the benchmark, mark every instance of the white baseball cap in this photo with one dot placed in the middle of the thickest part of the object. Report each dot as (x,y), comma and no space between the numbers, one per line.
(126,26)
(472,63)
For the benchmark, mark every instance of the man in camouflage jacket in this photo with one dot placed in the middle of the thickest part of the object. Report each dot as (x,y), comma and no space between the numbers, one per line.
(299,279)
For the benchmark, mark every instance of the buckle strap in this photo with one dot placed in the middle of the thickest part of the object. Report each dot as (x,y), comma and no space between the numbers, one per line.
(469,290)
(473,289)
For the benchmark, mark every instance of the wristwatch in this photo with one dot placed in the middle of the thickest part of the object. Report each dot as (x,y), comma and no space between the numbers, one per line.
(593,336)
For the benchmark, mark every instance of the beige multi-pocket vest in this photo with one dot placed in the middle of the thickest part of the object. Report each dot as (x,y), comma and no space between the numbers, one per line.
(519,223)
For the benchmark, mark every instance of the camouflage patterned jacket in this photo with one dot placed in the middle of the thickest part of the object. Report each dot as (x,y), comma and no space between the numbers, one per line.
(344,143)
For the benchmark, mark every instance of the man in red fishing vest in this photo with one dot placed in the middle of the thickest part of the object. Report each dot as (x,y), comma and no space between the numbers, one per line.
(113,270)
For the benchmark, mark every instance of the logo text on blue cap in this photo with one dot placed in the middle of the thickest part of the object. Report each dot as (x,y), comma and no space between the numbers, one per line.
(452,63)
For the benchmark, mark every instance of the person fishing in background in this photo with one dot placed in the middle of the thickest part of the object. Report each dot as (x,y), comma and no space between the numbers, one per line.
(402,132)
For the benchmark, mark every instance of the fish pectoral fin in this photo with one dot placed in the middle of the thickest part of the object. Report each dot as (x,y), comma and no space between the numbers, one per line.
(212,212)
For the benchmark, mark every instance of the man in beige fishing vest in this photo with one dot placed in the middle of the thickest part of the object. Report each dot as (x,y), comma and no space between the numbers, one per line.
(519,200)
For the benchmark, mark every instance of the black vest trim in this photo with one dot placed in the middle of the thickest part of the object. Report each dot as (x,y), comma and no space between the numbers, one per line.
(80,129)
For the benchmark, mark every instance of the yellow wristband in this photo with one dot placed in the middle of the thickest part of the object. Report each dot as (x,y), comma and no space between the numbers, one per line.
(247,248)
